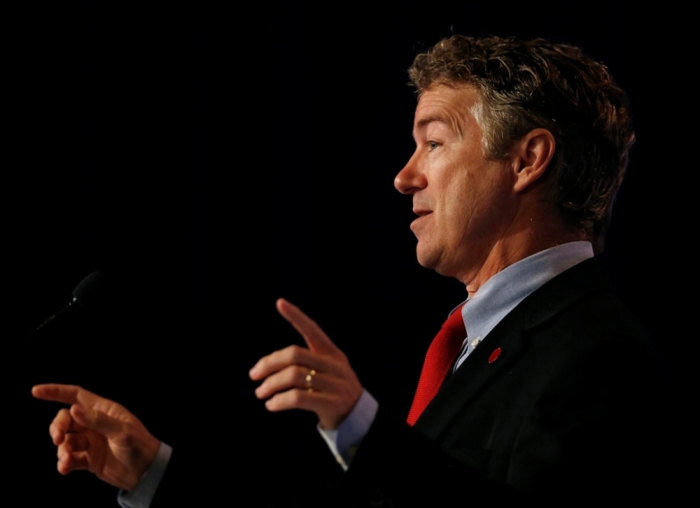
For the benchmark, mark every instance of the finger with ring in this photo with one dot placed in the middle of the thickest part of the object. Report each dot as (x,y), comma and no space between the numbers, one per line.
(310,380)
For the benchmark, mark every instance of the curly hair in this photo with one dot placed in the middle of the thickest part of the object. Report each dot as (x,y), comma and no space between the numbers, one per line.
(524,85)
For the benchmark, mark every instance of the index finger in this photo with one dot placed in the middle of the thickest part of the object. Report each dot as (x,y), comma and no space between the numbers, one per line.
(315,338)
(68,394)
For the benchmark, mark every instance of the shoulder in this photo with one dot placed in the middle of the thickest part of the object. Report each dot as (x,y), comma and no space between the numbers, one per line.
(581,303)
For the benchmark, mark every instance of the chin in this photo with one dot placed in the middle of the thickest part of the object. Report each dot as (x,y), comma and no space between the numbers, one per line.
(435,261)
(427,259)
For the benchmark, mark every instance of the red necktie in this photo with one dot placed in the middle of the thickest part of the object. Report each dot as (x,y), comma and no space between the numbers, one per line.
(438,362)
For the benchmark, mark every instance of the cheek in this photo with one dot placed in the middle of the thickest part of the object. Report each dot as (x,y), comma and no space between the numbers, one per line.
(458,215)
(461,199)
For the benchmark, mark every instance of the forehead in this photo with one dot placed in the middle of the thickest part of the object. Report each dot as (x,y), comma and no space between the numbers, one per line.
(450,105)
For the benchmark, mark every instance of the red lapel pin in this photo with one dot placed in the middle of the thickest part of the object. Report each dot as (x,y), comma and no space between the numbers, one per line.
(494,356)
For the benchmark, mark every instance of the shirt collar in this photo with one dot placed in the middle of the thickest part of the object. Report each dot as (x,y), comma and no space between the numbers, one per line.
(504,291)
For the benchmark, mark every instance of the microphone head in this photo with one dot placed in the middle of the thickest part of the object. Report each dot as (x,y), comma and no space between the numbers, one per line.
(90,290)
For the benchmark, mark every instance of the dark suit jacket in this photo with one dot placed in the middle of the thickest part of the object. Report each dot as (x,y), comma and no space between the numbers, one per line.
(576,407)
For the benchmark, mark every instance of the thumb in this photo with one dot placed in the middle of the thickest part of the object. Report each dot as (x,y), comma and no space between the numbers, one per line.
(96,420)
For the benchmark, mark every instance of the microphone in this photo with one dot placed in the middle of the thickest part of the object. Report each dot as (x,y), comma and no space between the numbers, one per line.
(85,294)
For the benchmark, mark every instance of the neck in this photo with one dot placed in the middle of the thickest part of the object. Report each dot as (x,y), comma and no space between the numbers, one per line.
(517,244)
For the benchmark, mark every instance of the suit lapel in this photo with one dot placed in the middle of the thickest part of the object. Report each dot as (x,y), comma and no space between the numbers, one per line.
(511,335)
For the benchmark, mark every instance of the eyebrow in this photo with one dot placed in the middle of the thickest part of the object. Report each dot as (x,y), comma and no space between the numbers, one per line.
(441,119)
(435,118)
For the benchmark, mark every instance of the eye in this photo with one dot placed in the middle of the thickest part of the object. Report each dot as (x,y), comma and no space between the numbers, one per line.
(432,145)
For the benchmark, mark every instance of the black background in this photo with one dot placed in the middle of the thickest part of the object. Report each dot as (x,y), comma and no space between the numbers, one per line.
(211,161)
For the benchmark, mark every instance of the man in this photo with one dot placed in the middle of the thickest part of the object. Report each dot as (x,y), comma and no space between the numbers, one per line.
(555,393)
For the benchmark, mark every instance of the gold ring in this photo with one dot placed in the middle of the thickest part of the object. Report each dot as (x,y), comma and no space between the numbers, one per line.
(310,380)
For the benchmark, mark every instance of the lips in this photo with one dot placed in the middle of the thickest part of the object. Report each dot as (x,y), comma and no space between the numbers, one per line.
(421,213)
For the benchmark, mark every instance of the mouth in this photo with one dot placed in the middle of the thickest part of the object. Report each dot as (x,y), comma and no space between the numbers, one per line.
(421,213)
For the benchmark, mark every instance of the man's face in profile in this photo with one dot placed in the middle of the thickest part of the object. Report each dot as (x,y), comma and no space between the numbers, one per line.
(463,200)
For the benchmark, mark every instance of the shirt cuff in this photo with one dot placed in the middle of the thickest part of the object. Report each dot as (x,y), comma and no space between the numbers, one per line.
(142,495)
(345,440)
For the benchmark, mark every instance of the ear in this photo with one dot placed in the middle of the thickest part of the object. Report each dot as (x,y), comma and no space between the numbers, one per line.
(533,153)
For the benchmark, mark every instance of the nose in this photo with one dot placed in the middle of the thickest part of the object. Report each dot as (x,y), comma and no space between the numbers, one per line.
(410,179)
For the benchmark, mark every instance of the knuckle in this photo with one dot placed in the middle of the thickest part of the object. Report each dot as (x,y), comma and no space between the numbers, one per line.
(296,397)
(274,403)
(295,353)
(285,379)
(265,360)
(57,435)
(299,373)
(62,416)
(128,440)
(266,384)
(62,452)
